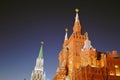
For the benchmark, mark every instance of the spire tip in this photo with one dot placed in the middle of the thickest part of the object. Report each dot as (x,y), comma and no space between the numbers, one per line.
(42,42)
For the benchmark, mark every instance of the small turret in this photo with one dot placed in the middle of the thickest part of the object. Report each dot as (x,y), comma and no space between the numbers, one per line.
(87,43)
(66,38)
(66,35)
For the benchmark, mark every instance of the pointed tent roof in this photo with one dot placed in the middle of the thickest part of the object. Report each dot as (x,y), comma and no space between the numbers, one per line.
(66,35)
(77,26)
(41,50)
(77,16)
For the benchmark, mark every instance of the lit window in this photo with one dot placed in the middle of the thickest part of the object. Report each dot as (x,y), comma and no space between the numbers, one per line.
(116,66)
(117,70)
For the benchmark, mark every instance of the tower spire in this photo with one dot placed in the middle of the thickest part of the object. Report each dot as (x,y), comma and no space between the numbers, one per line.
(77,16)
(87,43)
(41,50)
(77,27)
(38,72)
(66,35)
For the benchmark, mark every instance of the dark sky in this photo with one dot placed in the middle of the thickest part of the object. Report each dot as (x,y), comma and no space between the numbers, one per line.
(23,24)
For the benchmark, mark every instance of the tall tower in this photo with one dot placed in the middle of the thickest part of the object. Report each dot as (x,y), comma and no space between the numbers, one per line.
(78,58)
(38,72)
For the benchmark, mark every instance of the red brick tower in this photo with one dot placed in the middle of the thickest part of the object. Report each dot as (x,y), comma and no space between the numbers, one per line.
(78,60)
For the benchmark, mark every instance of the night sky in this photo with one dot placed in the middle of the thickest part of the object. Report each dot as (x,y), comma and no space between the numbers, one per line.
(24,24)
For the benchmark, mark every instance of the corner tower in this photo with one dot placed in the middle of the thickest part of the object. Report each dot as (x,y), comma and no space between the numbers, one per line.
(38,72)
(69,56)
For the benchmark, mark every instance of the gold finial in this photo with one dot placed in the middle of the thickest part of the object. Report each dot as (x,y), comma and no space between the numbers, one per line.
(66,29)
(42,42)
(76,10)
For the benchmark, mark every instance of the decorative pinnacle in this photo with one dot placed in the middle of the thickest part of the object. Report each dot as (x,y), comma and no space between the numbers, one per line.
(42,42)
(76,10)
(66,37)
(66,29)
(86,34)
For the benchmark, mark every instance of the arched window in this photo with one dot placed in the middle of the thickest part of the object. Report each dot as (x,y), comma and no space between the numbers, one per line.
(117,70)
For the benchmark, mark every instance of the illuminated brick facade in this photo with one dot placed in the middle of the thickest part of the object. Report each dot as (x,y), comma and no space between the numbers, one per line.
(79,60)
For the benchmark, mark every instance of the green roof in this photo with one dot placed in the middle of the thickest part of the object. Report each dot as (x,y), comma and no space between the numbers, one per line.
(41,52)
